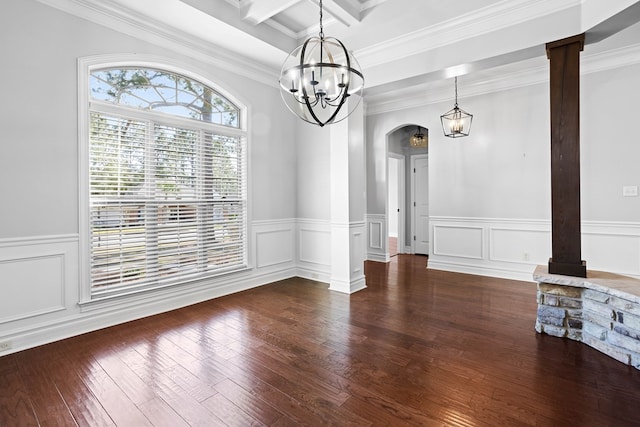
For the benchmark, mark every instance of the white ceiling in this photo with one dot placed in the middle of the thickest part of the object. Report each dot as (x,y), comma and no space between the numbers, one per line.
(400,44)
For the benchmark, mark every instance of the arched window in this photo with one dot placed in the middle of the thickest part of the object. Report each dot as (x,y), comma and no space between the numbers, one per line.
(167,180)
(157,90)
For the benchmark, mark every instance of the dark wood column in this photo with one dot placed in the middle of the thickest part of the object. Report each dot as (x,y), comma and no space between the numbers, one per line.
(564,62)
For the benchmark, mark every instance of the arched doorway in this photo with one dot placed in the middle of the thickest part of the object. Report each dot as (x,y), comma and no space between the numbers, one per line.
(406,228)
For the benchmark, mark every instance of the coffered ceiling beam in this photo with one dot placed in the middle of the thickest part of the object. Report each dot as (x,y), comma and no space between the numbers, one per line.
(258,11)
(347,12)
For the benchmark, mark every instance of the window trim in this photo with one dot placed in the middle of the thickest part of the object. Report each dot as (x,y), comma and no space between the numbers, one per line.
(84,67)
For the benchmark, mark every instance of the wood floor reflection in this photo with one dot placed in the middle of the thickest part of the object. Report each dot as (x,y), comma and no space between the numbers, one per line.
(417,347)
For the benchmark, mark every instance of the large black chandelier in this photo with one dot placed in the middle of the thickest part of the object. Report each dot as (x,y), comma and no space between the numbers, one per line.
(319,77)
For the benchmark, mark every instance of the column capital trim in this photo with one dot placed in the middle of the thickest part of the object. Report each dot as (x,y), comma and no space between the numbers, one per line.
(566,41)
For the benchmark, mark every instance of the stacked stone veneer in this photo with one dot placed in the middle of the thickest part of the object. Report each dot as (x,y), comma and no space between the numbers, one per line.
(602,311)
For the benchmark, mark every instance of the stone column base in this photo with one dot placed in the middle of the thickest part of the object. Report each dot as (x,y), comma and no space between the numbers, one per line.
(602,311)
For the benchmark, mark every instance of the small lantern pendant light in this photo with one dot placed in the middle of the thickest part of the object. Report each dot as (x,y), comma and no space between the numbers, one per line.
(456,122)
(318,77)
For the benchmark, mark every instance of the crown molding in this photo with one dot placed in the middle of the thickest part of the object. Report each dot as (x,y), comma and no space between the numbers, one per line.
(504,14)
(536,72)
(120,18)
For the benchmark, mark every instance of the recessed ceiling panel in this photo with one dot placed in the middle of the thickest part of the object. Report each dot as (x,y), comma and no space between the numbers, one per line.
(300,17)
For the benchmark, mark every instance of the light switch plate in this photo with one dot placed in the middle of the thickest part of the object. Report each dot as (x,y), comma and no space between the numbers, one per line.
(630,191)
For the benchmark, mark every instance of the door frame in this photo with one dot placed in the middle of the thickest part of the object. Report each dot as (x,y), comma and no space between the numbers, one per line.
(402,205)
(413,198)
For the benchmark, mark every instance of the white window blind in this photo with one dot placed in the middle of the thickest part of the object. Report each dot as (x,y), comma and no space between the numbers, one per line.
(167,202)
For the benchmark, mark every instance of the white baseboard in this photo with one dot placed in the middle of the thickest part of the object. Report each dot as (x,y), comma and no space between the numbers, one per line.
(525,274)
(378,257)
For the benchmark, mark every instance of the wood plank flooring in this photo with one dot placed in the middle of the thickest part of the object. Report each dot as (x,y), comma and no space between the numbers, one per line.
(417,347)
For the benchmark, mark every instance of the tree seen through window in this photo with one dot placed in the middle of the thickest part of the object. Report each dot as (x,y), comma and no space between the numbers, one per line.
(162,91)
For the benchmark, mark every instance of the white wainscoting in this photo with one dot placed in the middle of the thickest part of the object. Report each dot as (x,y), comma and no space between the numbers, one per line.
(348,255)
(357,236)
(38,276)
(274,244)
(460,241)
(376,226)
(40,281)
(612,246)
(314,250)
(40,286)
(512,248)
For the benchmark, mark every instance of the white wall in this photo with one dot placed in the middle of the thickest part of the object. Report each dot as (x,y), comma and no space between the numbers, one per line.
(502,169)
(313,193)
(490,192)
(610,151)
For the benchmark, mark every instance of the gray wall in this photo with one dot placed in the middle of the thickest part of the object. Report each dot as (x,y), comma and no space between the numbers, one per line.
(502,170)
(610,152)
(39,150)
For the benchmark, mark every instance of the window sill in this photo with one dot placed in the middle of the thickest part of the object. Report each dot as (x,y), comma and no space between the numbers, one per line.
(128,298)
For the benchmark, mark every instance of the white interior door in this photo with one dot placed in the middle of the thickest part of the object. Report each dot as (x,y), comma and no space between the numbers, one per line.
(420,186)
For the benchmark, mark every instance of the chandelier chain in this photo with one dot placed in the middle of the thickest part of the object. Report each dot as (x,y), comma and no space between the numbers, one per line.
(456,85)
(321,28)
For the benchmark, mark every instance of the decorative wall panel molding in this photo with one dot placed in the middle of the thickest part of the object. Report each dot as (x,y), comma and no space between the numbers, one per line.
(314,242)
(35,274)
(508,244)
(376,235)
(358,254)
(376,226)
(612,246)
(513,247)
(274,243)
(460,241)
(314,250)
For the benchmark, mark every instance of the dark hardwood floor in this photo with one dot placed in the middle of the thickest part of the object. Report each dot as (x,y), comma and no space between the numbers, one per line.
(417,347)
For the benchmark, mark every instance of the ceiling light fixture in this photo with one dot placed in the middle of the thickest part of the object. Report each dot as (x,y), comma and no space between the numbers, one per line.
(456,122)
(318,77)
(418,140)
